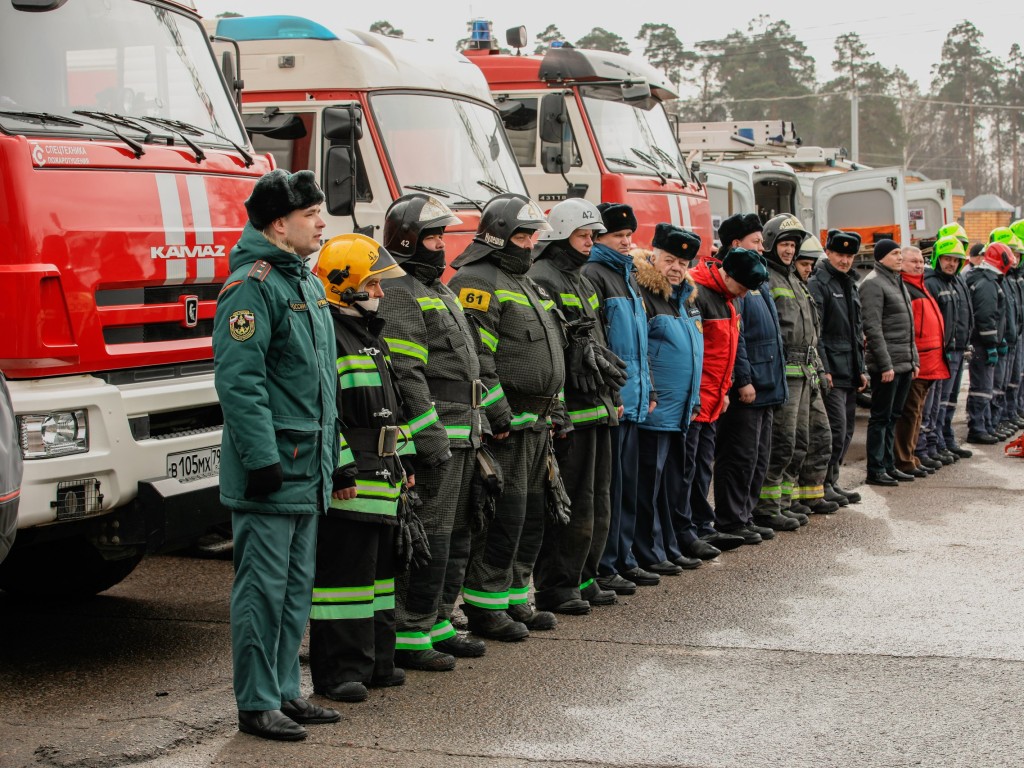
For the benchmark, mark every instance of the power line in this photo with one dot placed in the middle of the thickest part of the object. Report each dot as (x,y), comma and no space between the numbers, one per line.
(840,94)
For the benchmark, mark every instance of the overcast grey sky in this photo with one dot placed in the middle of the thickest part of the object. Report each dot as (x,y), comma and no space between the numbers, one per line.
(908,34)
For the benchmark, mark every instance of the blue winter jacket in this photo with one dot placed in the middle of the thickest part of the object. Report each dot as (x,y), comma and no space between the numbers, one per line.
(625,322)
(675,346)
(760,359)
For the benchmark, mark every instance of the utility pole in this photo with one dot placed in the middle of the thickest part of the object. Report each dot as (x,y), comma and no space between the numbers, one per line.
(854,127)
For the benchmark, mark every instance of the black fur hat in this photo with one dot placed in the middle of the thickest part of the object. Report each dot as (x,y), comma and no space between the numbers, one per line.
(679,242)
(746,267)
(737,227)
(278,193)
(617,216)
(842,242)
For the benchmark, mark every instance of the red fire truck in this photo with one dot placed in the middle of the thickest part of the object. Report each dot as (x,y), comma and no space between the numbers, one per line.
(586,123)
(123,167)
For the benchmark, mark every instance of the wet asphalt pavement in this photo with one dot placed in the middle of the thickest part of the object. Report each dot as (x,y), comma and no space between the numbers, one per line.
(889,634)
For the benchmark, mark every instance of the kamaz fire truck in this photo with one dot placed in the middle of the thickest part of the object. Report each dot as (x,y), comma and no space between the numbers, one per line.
(587,123)
(374,117)
(123,167)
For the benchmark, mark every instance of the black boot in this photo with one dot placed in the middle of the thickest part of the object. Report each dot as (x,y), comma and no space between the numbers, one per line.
(496,625)
(461,646)
(532,618)
(833,478)
(425,659)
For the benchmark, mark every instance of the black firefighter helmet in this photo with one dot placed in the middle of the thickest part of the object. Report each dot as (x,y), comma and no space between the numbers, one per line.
(506,213)
(785,226)
(408,217)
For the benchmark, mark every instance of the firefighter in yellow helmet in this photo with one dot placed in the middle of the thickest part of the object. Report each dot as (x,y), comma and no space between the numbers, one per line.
(352,623)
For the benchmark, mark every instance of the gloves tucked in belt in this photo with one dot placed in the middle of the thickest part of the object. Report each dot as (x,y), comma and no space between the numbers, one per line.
(612,368)
(411,546)
(1004,348)
(260,483)
(991,355)
(582,370)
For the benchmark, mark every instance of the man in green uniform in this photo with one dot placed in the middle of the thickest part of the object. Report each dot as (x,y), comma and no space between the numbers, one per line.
(273,351)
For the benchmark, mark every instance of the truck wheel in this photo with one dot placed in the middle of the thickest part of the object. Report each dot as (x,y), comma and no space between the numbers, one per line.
(68,569)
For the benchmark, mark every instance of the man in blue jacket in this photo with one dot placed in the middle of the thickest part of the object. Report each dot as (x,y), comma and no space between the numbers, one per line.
(610,268)
(677,356)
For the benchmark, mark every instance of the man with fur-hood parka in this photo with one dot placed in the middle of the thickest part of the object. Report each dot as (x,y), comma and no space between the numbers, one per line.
(677,354)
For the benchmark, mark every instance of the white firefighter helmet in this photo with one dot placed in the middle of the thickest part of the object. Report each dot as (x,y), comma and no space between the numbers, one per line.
(570,215)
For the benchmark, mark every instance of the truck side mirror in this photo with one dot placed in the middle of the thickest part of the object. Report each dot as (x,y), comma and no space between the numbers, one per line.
(344,124)
(339,181)
(636,91)
(553,118)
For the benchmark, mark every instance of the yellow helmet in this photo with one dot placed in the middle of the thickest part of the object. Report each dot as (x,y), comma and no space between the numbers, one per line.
(347,262)
(1005,235)
(953,230)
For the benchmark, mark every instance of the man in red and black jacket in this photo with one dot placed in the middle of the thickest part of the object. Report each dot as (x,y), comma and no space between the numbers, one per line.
(740,271)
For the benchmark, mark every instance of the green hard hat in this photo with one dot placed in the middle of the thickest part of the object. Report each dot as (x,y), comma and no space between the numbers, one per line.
(1006,235)
(1018,228)
(949,245)
(953,230)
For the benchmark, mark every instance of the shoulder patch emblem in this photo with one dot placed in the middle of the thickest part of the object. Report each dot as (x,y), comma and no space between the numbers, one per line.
(260,270)
(242,324)
(470,298)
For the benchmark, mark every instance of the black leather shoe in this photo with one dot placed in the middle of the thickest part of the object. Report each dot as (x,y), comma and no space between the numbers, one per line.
(945,458)
(748,536)
(963,453)
(766,534)
(642,578)
(270,724)
(921,471)
(526,614)
(425,660)
(799,506)
(688,563)
(777,522)
(573,607)
(824,507)
(982,439)
(396,678)
(800,517)
(351,691)
(617,584)
(927,461)
(602,597)
(903,477)
(831,494)
(461,647)
(852,496)
(724,541)
(701,550)
(664,568)
(496,625)
(881,478)
(306,713)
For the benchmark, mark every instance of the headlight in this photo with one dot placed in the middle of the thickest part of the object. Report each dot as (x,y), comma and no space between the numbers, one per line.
(60,433)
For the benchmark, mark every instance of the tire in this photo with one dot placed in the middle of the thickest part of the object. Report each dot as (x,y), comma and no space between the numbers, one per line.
(70,569)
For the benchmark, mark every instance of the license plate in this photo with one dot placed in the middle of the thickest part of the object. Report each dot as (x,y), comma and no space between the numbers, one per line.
(192,465)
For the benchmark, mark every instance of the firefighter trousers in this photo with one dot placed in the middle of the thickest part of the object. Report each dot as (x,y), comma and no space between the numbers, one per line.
(814,467)
(584,458)
(425,596)
(352,624)
(503,553)
(273,557)
(979,395)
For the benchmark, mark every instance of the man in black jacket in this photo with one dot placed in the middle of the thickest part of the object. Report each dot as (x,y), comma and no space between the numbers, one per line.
(840,345)
(949,288)
(988,302)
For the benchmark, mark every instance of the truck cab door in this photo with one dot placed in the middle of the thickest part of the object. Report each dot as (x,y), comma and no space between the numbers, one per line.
(929,207)
(871,202)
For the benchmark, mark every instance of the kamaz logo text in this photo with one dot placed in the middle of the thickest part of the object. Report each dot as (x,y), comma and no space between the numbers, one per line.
(186,251)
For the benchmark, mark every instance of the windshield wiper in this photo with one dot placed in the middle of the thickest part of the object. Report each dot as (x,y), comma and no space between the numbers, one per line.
(444,193)
(651,163)
(622,161)
(42,118)
(196,149)
(672,163)
(181,127)
(493,187)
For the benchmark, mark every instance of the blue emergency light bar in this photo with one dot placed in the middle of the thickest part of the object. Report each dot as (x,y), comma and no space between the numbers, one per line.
(481,32)
(273,28)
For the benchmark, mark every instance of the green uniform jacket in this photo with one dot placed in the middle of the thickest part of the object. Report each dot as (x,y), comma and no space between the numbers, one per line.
(274,369)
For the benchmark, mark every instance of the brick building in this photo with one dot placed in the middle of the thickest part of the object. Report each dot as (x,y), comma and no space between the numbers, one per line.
(983,214)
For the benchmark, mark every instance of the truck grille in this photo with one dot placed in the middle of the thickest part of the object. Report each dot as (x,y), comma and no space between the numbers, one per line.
(137,301)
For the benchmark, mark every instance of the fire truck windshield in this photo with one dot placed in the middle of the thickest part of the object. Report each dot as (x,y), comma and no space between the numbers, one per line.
(638,133)
(120,57)
(449,143)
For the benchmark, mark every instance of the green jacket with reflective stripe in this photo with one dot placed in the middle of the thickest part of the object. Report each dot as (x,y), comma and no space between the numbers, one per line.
(798,318)
(520,342)
(273,356)
(368,398)
(576,298)
(429,337)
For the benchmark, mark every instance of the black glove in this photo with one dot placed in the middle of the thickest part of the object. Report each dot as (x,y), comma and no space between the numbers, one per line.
(611,367)
(260,483)
(582,371)
(411,546)
(486,489)
(556,498)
